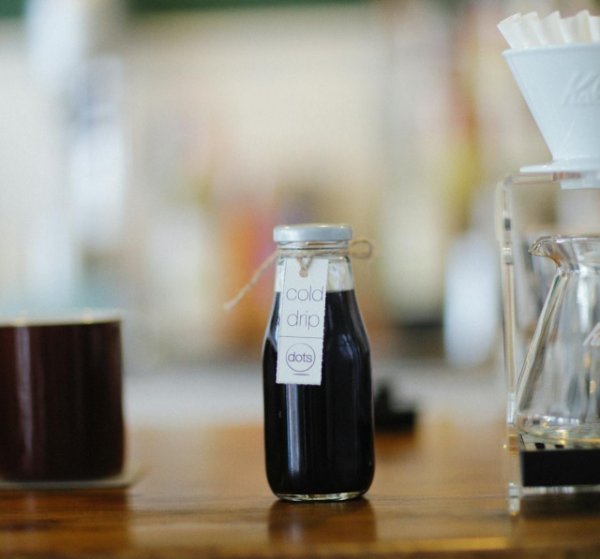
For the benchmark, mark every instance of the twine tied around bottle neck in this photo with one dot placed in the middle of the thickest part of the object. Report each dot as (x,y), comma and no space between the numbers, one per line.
(358,248)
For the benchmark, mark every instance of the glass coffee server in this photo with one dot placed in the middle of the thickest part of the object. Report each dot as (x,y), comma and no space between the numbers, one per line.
(549,232)
(532,206)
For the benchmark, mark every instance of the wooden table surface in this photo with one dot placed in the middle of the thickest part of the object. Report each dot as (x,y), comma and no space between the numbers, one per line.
(439,492)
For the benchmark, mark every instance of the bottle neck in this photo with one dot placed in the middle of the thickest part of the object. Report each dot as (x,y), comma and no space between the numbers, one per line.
(339,270)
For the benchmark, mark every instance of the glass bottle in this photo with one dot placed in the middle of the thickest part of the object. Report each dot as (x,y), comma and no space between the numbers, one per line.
(319,437)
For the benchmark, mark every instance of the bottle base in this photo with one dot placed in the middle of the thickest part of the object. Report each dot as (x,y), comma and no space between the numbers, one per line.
(316,497)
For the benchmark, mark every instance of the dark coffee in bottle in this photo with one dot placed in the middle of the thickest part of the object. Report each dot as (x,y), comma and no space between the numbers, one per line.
(61,413)
(319,438)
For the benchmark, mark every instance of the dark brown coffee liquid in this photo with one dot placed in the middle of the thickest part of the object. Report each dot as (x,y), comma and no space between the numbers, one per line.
(60,402)
(319,439)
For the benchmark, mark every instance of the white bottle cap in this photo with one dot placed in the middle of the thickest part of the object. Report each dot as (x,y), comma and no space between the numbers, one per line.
(312,232)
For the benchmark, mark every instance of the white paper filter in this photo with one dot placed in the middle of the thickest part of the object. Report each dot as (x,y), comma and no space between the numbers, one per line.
(529,30)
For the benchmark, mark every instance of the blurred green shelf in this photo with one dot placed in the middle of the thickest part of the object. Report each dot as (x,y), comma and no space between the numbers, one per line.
(149,6)
(16,8)
(11,8)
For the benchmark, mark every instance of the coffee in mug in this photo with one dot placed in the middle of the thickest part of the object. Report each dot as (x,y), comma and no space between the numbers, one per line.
(61,413)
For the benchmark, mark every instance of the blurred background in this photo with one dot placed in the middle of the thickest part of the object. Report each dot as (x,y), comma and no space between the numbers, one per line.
(148,147)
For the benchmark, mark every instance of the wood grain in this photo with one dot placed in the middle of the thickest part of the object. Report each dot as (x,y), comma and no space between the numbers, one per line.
(440,492)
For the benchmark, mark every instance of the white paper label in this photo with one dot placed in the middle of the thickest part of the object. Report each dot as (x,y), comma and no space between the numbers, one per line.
(301,322)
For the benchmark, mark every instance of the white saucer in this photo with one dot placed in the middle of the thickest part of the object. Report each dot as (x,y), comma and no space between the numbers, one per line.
(121,481)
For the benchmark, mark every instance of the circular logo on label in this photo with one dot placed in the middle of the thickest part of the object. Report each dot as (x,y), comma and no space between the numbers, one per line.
(300,357)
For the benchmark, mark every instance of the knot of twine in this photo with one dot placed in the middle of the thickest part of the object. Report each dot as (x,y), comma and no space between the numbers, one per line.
(359,248)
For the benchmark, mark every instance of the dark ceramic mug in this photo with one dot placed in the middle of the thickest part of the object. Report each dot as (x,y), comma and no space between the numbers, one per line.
(61,412)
